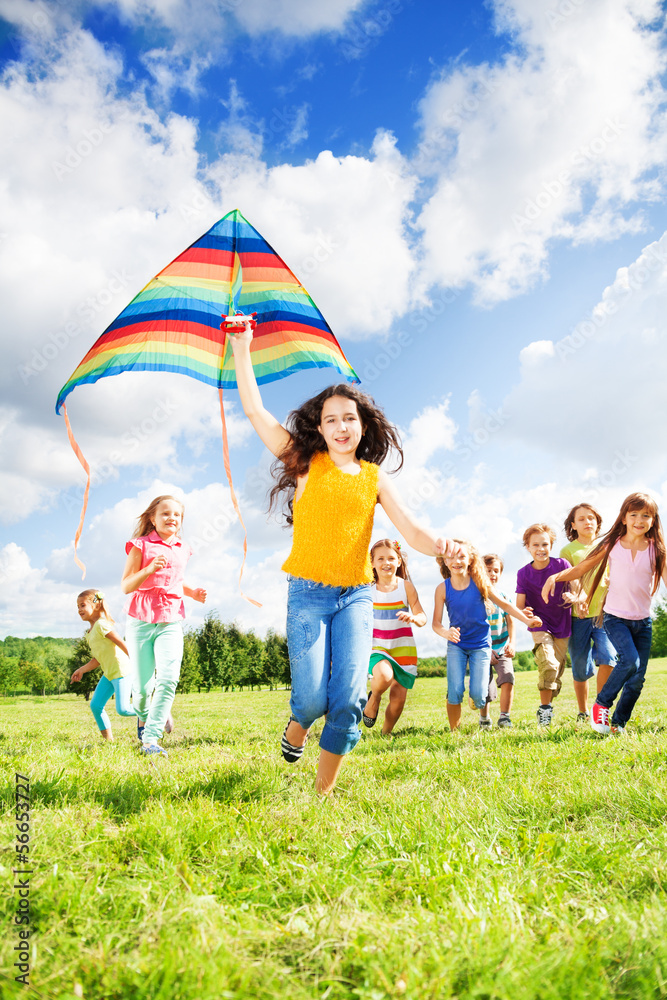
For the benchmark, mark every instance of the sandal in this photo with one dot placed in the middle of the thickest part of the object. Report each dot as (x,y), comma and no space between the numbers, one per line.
(368,722)
(291,753)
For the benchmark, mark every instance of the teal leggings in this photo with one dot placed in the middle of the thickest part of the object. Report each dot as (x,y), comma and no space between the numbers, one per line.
(121,688)
(156,651)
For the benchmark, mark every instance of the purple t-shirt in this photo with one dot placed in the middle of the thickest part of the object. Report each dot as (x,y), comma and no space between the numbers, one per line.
(556,617)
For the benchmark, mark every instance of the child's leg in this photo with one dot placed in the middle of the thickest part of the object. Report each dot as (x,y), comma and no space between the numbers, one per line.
(548,672)
(100,697)
(457,661)
(309,614)
(480,662)
(381,678)
(582,660)
(122,687)
(394,710)
(505,671)
(604,656)
(168,648)
(139,638)
(632,642)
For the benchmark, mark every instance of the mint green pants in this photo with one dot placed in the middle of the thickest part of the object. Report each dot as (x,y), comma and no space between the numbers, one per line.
(156,651)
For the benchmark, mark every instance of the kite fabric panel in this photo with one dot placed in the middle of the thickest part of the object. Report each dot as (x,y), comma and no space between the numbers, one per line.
(173,324)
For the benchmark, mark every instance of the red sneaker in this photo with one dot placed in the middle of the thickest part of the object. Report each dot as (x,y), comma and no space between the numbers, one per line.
(600,719)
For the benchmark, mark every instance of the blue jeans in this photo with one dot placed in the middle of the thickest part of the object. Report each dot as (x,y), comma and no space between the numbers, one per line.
(632,642)
(480,663)
(329,636)
(156,651)
(122,689)
(583,654)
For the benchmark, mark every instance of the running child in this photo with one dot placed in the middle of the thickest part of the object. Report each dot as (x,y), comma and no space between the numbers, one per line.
(153,575)
(110,653)
(329,478)
(589,644)
(502,644)
(634,551)
(465,593)
(551,638)
(396,607)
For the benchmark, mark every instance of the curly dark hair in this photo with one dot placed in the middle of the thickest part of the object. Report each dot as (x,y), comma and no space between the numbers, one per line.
(379,438)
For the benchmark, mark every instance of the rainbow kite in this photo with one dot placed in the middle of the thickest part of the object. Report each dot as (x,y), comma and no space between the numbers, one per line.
(173,324)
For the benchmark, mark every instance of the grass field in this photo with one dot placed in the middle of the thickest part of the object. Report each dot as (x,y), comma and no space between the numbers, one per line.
(507,865)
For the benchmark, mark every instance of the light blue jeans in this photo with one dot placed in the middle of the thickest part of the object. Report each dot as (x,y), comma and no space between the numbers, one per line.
(329,636)
(156,651)
(479,661)
(121,688)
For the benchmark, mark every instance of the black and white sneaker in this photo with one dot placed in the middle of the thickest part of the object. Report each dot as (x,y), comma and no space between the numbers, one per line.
(544,715)
(290,753)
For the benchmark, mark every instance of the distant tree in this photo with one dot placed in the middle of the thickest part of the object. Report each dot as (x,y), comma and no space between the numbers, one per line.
(80,655)
(276,660)
(659,642)
(215,654)
(255,660)
(191,678)
(36,675)
(240,666)
(56,661)
(9,674)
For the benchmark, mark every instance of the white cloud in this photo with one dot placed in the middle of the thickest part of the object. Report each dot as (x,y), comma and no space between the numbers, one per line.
(561,140)
(598,396)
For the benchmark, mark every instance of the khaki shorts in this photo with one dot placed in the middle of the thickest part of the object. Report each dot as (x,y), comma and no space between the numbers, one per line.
(550,654)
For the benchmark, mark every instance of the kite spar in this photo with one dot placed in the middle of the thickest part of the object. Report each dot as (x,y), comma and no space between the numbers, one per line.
(173,325)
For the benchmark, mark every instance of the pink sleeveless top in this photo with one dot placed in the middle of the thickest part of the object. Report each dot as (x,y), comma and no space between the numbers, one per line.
(630,583)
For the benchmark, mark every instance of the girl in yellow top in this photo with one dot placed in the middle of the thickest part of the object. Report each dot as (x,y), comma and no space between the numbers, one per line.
(110,653)
(329,477)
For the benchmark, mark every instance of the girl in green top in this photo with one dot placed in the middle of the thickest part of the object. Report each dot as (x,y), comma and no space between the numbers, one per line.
(110,653)
(589,643)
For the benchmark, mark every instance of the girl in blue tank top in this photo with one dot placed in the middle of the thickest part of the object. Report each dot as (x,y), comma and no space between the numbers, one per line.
(465,592)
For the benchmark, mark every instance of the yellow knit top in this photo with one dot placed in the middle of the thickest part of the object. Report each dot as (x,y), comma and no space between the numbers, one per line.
(333,521)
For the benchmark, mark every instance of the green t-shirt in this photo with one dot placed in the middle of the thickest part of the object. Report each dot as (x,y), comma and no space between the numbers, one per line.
(575,552)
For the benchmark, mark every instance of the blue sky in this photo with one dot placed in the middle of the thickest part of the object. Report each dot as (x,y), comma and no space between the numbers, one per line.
(473,195)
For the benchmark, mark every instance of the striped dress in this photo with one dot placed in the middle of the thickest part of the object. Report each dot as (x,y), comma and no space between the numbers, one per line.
(392,638)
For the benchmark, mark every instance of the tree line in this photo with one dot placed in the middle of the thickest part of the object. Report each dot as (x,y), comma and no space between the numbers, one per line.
(216,656)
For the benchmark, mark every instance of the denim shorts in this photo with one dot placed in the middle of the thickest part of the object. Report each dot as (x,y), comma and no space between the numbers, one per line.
(479,661)
(329,636)
(585,656)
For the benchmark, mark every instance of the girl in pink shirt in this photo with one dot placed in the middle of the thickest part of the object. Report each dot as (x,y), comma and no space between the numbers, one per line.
(153,575)
(635,551)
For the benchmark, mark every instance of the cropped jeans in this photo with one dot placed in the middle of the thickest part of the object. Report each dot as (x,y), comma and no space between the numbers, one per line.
(329,637)
(632,642)
(479,661)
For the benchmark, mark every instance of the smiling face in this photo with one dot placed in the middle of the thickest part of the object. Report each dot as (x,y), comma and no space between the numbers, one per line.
(585,523)
(88,609)
(637,522)
(385,562)
(494,570)
(539,546)
(167,518)
(458,564)
(340,426)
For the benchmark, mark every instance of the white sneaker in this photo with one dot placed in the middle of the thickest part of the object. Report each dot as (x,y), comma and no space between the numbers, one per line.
(485,722)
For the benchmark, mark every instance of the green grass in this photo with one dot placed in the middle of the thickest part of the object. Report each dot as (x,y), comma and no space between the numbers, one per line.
(506,865)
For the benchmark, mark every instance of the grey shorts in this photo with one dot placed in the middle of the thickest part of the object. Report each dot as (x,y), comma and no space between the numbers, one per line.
(504,668)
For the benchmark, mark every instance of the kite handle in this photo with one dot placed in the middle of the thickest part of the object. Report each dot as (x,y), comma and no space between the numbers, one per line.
(86,468)
(228,471)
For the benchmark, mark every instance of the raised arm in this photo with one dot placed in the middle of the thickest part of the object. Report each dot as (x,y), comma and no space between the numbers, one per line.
(573,573)
(417,537)
(272,433)
(516,612)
